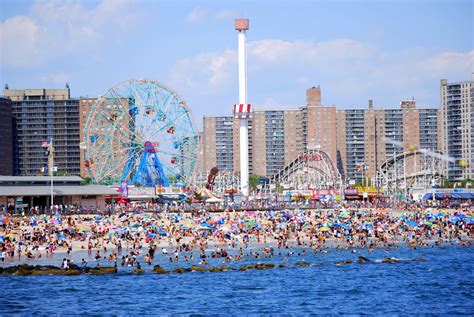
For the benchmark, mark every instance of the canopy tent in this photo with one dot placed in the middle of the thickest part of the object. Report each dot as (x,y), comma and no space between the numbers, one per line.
(214,200)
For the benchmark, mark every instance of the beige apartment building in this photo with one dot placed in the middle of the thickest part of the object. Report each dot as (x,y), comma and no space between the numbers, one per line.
(358,141)
(456,127)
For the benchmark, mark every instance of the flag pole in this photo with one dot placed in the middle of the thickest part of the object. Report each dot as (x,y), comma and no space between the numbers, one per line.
(51,163)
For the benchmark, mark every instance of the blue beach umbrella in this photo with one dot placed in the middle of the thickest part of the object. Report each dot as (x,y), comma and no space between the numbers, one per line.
(162,233)
(412,223)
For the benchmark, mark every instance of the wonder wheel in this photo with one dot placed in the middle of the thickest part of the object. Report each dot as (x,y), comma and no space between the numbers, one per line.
(142,133)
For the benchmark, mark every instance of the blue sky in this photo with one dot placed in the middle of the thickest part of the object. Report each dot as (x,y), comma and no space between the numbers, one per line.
(355,50)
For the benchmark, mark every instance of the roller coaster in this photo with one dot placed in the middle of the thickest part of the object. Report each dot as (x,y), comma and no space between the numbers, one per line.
(312,169)
(410,170)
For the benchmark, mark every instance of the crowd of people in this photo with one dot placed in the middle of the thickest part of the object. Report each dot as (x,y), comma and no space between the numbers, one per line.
(135,237)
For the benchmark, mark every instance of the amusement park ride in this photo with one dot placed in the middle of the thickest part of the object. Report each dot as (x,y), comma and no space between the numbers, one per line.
(140,132)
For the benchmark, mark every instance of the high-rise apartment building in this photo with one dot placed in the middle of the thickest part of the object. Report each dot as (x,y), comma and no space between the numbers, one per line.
(358,141)
(354,143)
(6,140)
(456,131)
(274,141)
(40,115)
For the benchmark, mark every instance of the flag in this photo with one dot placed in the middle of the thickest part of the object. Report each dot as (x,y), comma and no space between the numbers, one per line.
(44,169)
(45,144)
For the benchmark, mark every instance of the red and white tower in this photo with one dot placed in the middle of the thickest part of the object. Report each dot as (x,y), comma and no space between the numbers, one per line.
(243,110)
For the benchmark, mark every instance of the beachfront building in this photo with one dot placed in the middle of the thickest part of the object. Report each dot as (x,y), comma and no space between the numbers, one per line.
(274,141)
(40,115)
(456,131)
(358,140)
(30,191)
(6,141)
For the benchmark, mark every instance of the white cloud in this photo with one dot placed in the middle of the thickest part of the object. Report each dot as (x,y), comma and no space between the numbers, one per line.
(58,28)
(226,15)
(449,63)
(208,72)
(19,41)
(196,15)
(59,78)
(346,69)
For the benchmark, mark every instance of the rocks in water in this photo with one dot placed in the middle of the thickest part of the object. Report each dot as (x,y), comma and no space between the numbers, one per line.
(158,269)
(343,262)
(419,259)
(102,270)
(226,268)
(302,264)
(56,272)
(215,269)
(281,265)
(260,266)
(23,270)
(197,268)
(265,266)
(390,260)
(179,270)
(361,259)
(138,271)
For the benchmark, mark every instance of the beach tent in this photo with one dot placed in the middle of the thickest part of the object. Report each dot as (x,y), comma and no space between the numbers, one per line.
(214,200)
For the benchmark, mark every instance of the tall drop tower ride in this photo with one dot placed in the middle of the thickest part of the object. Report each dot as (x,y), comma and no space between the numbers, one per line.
(243,110)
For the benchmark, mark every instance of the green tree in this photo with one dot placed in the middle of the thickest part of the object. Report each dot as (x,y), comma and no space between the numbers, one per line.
(253,182)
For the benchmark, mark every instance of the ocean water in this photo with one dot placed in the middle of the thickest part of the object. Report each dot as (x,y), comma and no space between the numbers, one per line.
(442,285)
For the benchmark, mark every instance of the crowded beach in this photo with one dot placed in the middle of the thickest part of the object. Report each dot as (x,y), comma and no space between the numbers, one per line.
(133,237)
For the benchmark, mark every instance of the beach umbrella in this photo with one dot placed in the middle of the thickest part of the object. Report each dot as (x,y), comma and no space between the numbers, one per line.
(412,223)
(61,236)
(250,223)
(427,223)
(344,213)
(184,227)
(162,233)
(9,235)
(151,236)
(324,229)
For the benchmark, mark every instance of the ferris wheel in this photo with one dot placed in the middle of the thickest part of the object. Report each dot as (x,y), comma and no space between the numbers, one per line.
(142,133)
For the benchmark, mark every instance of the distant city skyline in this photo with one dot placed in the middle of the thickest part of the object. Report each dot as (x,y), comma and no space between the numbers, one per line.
(387,51)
